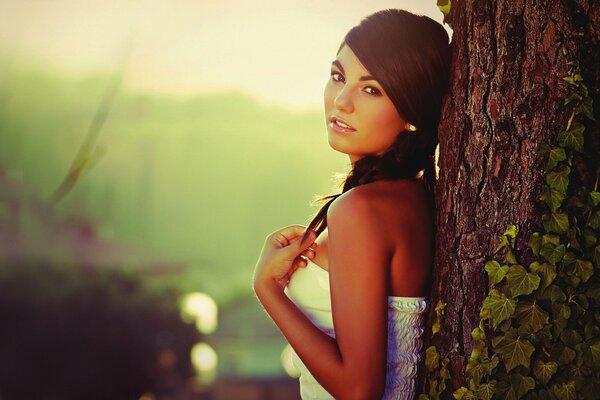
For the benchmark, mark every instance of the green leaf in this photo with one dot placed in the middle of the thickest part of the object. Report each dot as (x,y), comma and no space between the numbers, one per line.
(589,238)
(554,294)
(592,358)
(432,358)
(478,334)
(556,222)
(556,155)
(520,281)
(553,254)
(583,269)
(511,232)
(570,337)
(462,393)
(596,256)
(486,390)
(569,258)
(544,371)
(519,386)
(535,242)
(565,391)
(532,315)
(594,199)
(515,351)
(497,307)
(552,197)
(495,271)
(550,238)
(546,270)
(562,354)
(559,180)
(594,221)
(572,138)
(543,150)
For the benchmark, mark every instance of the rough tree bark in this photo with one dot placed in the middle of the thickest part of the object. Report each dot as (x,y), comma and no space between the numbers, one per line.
(506,97)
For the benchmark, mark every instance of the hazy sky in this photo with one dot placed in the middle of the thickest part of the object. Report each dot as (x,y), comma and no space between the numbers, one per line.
(277,50)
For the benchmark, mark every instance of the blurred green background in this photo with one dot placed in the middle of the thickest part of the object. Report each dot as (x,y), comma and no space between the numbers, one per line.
(146,151)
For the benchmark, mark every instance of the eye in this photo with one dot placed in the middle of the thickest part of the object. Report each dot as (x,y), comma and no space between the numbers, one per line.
(375,92)
(336,76)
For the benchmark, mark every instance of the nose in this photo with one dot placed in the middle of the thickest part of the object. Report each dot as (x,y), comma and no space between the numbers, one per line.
(343,100)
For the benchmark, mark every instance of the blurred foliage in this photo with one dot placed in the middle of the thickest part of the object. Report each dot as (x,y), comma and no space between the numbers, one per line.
(71,333)
(200,180)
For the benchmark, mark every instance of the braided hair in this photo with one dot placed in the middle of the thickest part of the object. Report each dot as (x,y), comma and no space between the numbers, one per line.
(409,55)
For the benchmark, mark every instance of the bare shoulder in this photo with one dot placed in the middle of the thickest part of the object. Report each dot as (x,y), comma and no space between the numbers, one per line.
(382,200)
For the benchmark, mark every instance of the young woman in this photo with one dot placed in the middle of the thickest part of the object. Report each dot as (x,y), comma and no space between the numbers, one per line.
(349,291)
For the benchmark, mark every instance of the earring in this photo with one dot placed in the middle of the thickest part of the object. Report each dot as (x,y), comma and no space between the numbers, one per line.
(411,127)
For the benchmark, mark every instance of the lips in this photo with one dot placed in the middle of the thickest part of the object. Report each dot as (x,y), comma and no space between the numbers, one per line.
(340,125)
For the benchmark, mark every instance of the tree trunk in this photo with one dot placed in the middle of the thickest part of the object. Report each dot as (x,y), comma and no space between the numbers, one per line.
(506,96)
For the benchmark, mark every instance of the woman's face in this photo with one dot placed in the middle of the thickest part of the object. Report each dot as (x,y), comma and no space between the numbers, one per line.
(353,96)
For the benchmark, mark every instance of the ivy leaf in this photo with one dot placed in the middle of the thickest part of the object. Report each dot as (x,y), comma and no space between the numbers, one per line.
(439,311)
(520,281)
(562,354)
(572,138)
(556,222)
(497,307)
(592,358)
(552,197)
(553,254)
(519,386)
(515,351)
(570,337)
(554,294)
(486,390)
(572,235)
(594,199)
(550,238)
(547,271)
(589,237)
(565,391)
(511,232)
(462,393)
(559,180)
(544,371)
(532,315)
(478,334)
(543,150)
(585,108)
(594,221)
(583,269)
(535,242)
(495,271)
(432,358)
(596,256)
(555,155)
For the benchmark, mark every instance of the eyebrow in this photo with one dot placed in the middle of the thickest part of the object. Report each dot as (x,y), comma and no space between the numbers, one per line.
(362,78)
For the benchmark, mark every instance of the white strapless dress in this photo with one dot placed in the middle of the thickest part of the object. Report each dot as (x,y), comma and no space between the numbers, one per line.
(309,290)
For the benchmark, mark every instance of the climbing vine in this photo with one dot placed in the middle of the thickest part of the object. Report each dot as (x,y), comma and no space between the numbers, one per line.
(538,334)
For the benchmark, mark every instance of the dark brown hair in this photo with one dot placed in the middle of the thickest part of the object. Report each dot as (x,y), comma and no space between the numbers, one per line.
(409,55)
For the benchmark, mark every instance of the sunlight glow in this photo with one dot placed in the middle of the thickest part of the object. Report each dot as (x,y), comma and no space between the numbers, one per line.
(204,360)
(202,309)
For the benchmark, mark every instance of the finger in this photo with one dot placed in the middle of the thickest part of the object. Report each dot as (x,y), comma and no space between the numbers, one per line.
(284,236)
(299,262)
(309,253)
(301,246)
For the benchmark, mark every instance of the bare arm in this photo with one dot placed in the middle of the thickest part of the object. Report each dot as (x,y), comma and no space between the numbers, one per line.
(353,366)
